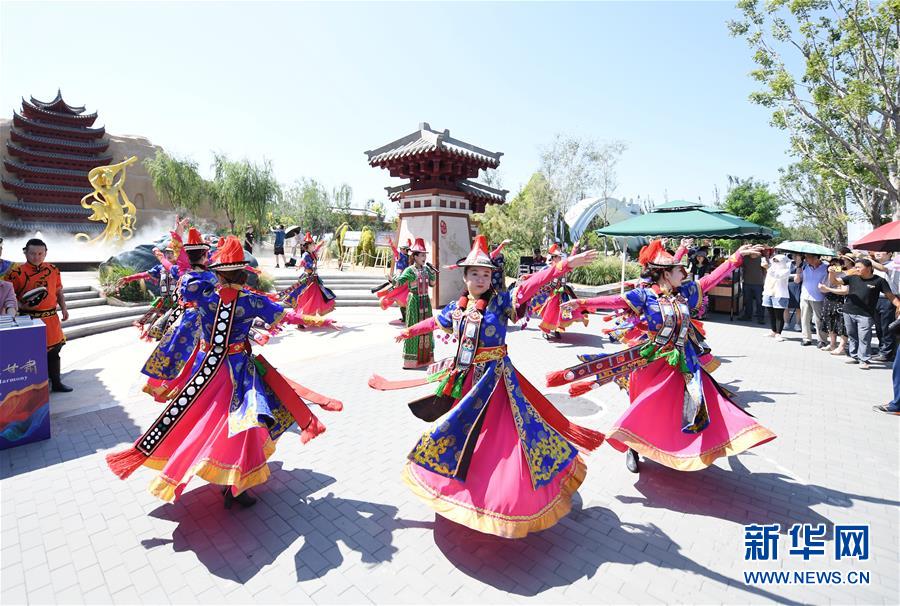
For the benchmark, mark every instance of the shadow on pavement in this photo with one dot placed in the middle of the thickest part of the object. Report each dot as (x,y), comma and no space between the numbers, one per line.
(581,339)
(76,435)
(236,544)
(734,495)
(561,555)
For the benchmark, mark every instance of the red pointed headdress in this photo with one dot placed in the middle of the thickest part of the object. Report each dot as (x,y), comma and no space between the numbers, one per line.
(308,239)
(554,251)
(655,255)
(230,256)
(418,247)
(478,256)
(407,245)
(195,240)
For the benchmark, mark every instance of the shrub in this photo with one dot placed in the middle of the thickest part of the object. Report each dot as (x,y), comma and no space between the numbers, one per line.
(135,292)
(605,270)
(366,250)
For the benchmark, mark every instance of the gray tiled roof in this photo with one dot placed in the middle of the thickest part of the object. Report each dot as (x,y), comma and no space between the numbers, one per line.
(20,120)
(74,210)
(89,118)
(16,183)
(77,143)
(70,227)
(58,101)
(12,166)
(427,140)
(76,157)
(470,187)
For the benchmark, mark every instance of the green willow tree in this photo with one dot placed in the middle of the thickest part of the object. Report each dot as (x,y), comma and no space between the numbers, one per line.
(176,181)
(307,202)
(244,191)
(842,110)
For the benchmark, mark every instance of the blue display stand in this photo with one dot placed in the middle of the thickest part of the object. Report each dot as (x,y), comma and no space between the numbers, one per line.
(24,390)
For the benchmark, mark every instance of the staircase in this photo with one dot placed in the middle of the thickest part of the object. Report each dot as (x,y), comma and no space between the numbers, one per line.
(90,313)
(351,289)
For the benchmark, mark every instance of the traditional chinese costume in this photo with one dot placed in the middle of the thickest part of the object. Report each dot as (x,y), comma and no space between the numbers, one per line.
(223,423)
(416,281)
(181,340)
(500,458)
(679,415)
(554,317)
(164,274)
(309,296)
(391,292)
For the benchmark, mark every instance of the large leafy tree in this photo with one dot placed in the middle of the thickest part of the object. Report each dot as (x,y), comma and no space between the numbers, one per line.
(752,200)
(243,190)
(525,219)
(842,109)
(819,201)
(307,202)
(176,181)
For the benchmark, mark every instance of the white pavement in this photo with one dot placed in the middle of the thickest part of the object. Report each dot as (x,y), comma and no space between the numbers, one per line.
(336,525)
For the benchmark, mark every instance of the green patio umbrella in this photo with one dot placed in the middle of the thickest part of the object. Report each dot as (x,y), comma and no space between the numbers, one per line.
(801,246)
(680,219)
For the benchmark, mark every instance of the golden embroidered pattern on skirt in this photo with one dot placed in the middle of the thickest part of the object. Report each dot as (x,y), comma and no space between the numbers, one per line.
(427,452)
(545,450)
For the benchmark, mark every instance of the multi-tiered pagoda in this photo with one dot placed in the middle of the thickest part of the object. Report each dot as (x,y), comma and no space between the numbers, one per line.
(433,159)
(51,148)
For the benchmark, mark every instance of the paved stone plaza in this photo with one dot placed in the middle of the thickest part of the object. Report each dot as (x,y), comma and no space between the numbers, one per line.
(336,525)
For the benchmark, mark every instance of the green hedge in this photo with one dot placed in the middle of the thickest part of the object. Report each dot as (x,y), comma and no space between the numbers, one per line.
(134,292)
(605,270)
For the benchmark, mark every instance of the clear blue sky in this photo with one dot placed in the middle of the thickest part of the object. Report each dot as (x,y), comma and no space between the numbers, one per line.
(311,86)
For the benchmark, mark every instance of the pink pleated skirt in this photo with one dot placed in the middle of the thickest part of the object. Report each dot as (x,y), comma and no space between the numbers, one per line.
(497,496)
(199,446)
(311,302)
(652,424)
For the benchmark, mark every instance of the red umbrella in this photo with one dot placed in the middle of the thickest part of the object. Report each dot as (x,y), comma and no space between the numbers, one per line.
(886,238)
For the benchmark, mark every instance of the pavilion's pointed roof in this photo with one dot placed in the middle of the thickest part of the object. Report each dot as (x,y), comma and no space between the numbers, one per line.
(426,141)
(58,105)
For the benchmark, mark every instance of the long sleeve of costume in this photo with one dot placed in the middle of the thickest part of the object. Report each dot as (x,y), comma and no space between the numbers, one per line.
(530,287)
(422,328)
(408,276)
(720,273)
(394,250)
(604,302)
(182,261)
(144,275)
(497,250)
(679,254)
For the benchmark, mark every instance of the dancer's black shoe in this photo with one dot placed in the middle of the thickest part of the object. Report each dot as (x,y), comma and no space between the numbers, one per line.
(631,461)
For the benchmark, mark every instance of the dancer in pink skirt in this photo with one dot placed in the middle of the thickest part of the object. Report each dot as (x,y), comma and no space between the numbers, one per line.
(500,458)
(223,423)
(679,416)
(309,296)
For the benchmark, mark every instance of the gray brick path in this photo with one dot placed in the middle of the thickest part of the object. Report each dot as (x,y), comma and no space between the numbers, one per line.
(336,525)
